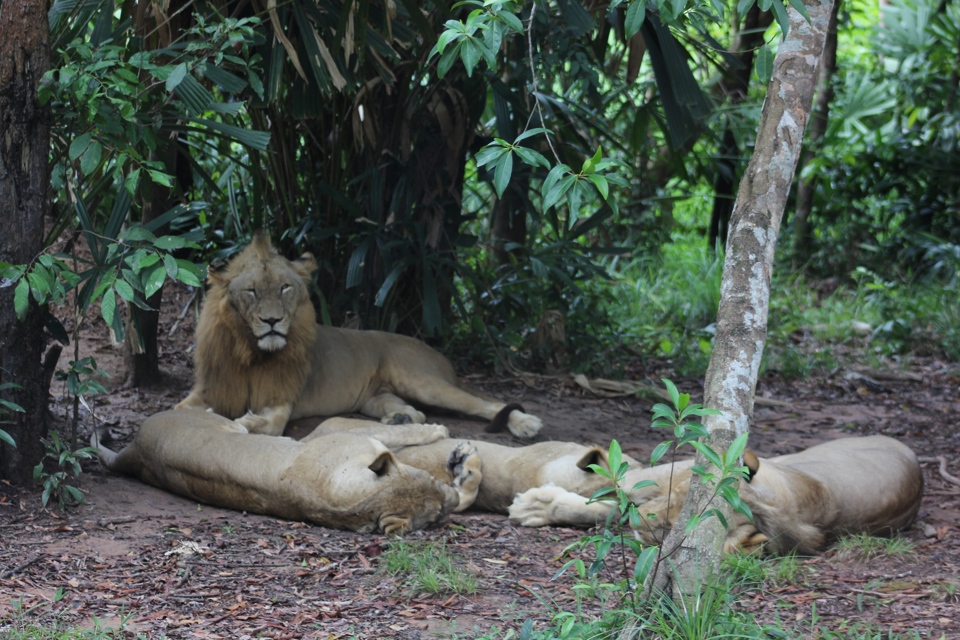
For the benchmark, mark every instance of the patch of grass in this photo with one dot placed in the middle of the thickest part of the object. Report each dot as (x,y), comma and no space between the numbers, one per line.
(867,546)
(751,569)
(427,567)
(948,590)
(50,627)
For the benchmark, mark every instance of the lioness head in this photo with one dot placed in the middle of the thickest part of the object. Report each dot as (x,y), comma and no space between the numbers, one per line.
(267,291)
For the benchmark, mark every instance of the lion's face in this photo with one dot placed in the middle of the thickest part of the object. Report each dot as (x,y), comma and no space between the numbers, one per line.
(267,291)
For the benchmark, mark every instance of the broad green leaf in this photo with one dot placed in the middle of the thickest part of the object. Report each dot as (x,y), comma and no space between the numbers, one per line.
(490,153)
(470,53)
(448,58)
(21,298)
(512,21)
(801,8)
(170,263)
(189,273)
(708,453)
(532,132)
(91,158)
(108,307)
(559,190)
(160,178)
(660,450)
(737,447)
(644,564)
(6,437)
(79,145)
(601,184)
(131,182)
(154,280)
(635,15)
(169,243)
(743,6)
(781,16)
(531,157)
(176,76)
(672,390)
(764,64)
(501,177)
(124,290)
(552,178)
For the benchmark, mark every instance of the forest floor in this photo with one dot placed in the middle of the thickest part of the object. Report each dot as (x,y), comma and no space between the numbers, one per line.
(169,567)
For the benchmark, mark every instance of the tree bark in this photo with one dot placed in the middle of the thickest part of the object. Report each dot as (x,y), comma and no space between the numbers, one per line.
(688,561)
(818,127)
(24,177)
(745,44)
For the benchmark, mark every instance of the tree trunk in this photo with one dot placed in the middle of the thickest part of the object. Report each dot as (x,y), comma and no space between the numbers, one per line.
(510,219)
(24,178)
(818,127)
(745,292)
(748,41)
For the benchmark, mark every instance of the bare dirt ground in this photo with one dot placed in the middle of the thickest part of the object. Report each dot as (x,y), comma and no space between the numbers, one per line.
(173,568)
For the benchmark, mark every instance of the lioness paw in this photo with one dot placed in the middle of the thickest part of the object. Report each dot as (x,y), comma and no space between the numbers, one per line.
(523,425)
(251,422)
(465,466)
(407,415)
(534,507)
(440,432)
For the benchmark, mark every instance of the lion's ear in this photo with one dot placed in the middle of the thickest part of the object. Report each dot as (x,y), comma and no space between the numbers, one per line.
(305,266)
(596,456)
(753,463)
(216,275)
(384,464)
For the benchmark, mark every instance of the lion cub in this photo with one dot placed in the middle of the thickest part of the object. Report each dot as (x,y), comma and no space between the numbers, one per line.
(262,359)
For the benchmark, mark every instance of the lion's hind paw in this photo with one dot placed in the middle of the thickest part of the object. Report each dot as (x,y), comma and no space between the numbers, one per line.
(535,507)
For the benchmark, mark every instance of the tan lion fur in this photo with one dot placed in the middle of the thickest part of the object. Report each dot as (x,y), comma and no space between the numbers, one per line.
(801,501)
(262,359)
(341,480)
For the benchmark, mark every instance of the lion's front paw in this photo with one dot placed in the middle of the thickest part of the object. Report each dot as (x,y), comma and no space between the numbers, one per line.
(439,432)
(252,423)
(465,466)
(394,525)
(523,425)
(534,507)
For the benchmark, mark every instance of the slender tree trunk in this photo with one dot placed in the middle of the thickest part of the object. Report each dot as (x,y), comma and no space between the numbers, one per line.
(818,127)
(745,292)
(748,41)
(24,172)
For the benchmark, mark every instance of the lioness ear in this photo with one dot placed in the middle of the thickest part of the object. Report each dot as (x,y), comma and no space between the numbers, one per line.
(753,463)
(305,265)
(216,275)
(596,456)
(383,464)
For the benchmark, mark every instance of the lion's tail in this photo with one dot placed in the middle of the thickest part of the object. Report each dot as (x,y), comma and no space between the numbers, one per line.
(107,456)
(500,421)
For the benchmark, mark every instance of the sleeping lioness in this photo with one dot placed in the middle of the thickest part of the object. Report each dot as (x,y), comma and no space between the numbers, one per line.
(801,501)
(262,359)
(341,480)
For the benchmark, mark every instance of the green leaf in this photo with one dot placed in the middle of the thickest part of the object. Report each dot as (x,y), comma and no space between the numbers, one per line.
(470,53)
(501,177)
(643,484)
(490,153)
(79,145)
(124,290)
(672,390)
(91,158)
(108,307)
(176,76)
(708,453)
(601,184)
(743,6)
(170,263)
(21,298)
(801,9)
(131,182)
(780,14)
(512,21)
(737,447)
(170,243)
(154,280)
(531,157)
(660,450)
(6,437)
(764,64)
(635,15)
(160,178)
(559,190)
(644,564)
(189,273)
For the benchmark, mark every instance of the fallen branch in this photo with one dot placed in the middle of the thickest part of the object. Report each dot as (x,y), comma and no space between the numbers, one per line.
(9,572)
(176,324)
(885,374)
(943,468)
(622,388)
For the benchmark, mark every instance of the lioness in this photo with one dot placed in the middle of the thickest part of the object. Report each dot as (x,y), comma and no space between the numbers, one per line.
(262,359)
(801,501)
(341,480)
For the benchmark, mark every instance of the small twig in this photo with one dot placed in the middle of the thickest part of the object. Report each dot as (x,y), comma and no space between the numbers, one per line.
(943,468)
(533,79)
(9,572)
(183,313)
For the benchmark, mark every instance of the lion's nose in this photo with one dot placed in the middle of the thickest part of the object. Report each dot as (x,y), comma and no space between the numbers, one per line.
(270,321)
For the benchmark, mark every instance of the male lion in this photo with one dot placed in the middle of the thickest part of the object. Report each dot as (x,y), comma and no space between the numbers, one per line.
(341,480)
(801,501)
(262,359)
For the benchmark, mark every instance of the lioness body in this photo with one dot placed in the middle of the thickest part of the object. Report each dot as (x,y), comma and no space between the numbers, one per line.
(262,359)
(345,480)
(801,501)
